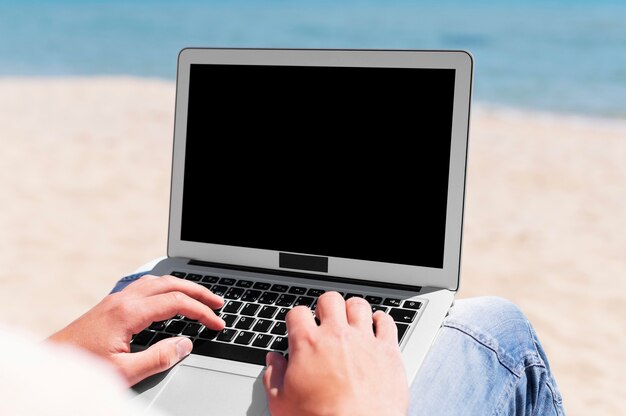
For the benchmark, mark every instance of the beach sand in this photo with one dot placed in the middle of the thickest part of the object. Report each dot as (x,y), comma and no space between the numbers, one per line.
(85,170)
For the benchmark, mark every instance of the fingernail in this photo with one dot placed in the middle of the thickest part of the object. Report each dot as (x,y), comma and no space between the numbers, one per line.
(183,348)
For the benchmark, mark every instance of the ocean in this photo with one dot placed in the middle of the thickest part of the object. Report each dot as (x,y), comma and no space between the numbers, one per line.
(564,56)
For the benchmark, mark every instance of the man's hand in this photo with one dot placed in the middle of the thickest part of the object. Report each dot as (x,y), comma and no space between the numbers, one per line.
(339,367)
(107,328)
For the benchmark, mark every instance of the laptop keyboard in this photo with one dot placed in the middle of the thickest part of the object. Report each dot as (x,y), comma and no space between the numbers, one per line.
(254,313)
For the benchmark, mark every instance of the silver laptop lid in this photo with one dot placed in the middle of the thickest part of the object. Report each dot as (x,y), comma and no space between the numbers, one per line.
(347,163)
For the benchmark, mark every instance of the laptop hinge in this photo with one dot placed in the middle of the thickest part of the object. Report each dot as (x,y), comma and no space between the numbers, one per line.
(395,286)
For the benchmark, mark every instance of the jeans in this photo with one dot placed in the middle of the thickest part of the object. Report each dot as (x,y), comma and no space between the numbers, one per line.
(486,360)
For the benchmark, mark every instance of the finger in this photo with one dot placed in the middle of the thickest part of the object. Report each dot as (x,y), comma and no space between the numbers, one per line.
(359,313)
(164,306)
(274,375)
(386,329)
(299,320)
(331,308)
(159,357)
(164,284)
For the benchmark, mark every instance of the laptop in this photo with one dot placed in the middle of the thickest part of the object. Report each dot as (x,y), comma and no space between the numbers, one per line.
(296,172)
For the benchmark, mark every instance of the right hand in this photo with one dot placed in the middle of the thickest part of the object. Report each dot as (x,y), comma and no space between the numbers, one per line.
(339,367)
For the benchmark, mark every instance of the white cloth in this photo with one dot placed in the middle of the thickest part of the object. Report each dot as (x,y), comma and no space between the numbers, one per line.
(41,378)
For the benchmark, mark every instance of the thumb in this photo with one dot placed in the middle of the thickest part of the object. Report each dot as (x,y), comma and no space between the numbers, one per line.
(274,374)
(159,357)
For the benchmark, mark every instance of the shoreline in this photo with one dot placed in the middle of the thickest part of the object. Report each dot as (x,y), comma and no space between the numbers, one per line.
(617,122)
(85,174)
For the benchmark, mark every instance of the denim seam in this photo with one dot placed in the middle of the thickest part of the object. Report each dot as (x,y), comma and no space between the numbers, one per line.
(506,393)
(509,390)
(487,344)
(528,358)
(557,400)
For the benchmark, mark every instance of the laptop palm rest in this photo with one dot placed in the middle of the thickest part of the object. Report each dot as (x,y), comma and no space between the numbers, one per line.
(195,391)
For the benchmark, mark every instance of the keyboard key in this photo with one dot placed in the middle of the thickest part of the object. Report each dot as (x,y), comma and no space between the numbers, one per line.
(280,328)
(281,344)
(232,306)
(267,312)
(229,319)
(392,302)
(373,300)
(412,304)
(315,292)
(245,322)
(297,290)
(208,333)
(251,295)
(244,338)
(160,337)
(286,300)
(192,329)
(234,293)
(282,313)
(262,340)
(157,326)
(245,354)
(143,338)
(226,335)
(175,327)
(210,279)
(402,315)
(263,325)
(244,283)
(279,288)
(250,309)
(194,277)
(227,281)
(219,290)
(352,295)
(206,285)
(261,286)
(304,300)
(268,298)
(379,308)
(401,331)
(180,275)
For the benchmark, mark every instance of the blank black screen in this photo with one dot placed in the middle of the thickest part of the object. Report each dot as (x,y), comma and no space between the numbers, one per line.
(332,161)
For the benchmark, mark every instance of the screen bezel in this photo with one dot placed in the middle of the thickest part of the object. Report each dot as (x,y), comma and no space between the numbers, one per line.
(446,277)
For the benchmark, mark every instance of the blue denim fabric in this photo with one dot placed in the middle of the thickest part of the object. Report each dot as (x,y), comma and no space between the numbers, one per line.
(486,361)
(125,281)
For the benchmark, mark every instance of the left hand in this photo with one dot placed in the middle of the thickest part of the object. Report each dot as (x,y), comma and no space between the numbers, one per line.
(106,329)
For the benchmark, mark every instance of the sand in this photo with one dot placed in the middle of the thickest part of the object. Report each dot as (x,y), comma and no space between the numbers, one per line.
(84,190)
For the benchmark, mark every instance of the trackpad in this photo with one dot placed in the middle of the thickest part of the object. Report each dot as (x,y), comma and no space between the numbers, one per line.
(198,391)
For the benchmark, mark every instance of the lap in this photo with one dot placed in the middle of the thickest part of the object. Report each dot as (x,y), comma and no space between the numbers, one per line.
(486,360)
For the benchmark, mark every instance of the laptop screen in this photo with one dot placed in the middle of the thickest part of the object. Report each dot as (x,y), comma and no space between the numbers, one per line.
(346,162)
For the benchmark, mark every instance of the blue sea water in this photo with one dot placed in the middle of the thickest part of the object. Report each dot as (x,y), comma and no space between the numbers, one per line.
(557,55)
